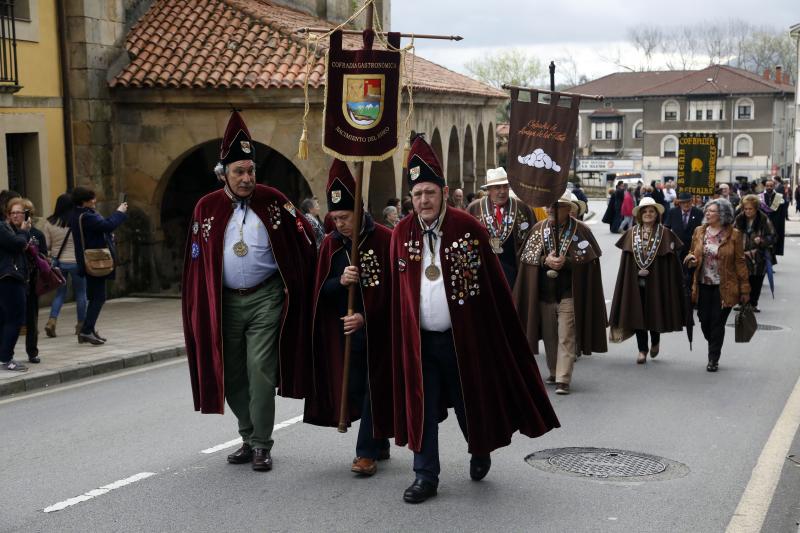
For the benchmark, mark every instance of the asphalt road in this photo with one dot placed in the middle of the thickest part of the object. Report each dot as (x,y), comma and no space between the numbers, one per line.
(135,434)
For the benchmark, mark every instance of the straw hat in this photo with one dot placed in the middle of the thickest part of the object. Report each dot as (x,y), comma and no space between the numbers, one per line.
(648,202)
(495,176)
(577,207)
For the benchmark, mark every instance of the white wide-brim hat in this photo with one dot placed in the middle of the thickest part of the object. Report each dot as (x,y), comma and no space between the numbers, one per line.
(577,206)
(647,201)
(495,176)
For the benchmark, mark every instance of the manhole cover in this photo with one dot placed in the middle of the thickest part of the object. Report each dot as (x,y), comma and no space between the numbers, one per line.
(764,327)
(606,464)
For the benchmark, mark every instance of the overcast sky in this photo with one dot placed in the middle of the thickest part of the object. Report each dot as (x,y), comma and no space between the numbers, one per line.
(587,30)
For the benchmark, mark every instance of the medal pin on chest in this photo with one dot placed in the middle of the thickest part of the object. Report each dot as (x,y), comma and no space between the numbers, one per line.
(432,272)
(240,249)
(494,242)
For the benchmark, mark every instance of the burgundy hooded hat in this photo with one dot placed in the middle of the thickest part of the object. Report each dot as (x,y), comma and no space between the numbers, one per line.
(237,144)
(341,188)
(423,165)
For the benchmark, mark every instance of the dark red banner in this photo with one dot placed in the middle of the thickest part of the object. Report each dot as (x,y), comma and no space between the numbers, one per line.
(541,138)
(362,97)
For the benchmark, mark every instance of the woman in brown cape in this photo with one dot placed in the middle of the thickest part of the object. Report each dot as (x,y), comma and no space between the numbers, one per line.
(649,294)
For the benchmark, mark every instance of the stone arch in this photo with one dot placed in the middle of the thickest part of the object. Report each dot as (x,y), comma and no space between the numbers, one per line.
(453,171)
(381,187)
(480,158)
(469,162)
(491,149)
(436,144)
(190,177)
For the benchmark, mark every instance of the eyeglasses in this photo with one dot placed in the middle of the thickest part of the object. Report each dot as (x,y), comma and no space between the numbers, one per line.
(17,213)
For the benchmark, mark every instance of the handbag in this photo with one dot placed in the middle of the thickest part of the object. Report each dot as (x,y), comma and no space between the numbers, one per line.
(48,277)
(745,323)
(97,262)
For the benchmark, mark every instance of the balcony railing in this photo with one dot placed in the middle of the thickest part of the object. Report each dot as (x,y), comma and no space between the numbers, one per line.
(9,74)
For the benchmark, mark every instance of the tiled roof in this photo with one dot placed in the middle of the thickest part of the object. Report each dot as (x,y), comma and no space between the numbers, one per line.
(726,80)
(244,44)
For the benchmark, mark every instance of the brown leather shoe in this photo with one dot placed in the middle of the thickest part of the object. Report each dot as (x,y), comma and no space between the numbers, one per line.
(241,456)
(262,461)
(364,466)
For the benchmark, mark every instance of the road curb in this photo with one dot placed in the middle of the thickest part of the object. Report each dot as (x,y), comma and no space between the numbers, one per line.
(43,380)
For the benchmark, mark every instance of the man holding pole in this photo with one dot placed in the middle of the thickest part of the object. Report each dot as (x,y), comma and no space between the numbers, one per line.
(447,289)
(369,394)
(507,220)
(246,302)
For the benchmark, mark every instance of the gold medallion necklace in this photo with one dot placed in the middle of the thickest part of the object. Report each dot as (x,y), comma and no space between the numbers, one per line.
(240,248)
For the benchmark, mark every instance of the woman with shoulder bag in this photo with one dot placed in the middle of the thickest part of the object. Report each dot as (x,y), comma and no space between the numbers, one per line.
(19,211)
(13,279)
(61,243)
(95,254)
(721,277)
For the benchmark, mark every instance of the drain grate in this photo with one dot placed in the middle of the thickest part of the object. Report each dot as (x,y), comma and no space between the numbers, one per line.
(606,464)
(763,327)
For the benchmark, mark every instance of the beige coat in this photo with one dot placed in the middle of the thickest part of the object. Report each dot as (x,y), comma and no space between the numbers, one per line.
(733,276)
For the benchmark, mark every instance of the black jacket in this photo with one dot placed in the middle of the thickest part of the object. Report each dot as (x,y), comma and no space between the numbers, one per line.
(97,231)
(674,221)
(13,263)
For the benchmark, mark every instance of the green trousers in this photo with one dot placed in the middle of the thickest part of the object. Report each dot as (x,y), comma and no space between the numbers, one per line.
(250,330)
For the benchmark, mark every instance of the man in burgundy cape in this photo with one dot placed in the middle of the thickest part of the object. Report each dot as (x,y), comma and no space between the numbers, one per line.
(476,357)
(370,373)
(294,254)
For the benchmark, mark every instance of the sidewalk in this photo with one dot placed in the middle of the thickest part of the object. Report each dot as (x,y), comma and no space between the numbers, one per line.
(139,331)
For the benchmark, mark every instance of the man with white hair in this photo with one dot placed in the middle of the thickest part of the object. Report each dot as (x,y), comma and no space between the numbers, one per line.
(507,220)
(725,192)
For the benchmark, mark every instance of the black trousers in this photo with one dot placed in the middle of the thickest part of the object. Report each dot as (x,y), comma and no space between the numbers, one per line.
(712,319)
(358,394)
(96,296)
(12,303)
(641,339)
(440,380)
(756,282)
(32,321)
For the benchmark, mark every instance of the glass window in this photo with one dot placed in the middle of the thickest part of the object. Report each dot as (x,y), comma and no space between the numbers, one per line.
(670,147)
(743,147)
(709,114)
(744,111)
(638,131)
(671,111)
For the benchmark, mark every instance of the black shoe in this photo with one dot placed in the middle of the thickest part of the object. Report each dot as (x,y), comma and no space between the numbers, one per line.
(384,454)
(34,359)
(90,338)
(419,491)
(479,467)
(712,366)
(262,461)
(241,456)
(99,337)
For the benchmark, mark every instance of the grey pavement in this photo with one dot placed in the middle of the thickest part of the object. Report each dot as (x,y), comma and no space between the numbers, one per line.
(139,331)
(65,443)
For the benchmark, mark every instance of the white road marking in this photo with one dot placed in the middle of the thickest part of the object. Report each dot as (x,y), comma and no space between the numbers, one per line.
(98,492)
(754,504)
(90,381)
(237,442)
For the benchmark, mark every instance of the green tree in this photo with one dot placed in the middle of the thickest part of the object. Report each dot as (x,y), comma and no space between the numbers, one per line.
(512,66)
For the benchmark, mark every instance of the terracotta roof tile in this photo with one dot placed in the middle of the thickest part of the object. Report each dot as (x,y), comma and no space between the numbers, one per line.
(244,44)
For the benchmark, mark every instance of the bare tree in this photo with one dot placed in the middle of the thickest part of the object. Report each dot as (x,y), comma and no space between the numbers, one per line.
(512,66)
(647,40)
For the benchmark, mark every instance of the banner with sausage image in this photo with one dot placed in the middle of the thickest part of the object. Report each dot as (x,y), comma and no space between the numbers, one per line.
(541,139)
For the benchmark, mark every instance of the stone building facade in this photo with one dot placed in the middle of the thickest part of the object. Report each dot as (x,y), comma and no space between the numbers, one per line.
(152,84)
(634,131)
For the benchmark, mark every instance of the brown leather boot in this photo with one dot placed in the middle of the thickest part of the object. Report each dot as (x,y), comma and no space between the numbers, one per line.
(364,466)
(50,327)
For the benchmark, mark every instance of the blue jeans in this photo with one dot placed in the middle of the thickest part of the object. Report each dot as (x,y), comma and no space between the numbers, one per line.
(70,270)
(12,316)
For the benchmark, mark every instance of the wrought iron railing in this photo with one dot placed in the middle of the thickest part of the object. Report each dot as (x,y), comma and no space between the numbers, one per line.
(9,74)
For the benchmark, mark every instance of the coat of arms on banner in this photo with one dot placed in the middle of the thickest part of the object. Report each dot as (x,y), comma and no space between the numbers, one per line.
(540,144)
(362,100)
(697,163)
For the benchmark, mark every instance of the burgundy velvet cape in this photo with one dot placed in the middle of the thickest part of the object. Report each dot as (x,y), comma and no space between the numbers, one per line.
(295,252)
(324,399)
(502,388)
(587,290)
(664,308)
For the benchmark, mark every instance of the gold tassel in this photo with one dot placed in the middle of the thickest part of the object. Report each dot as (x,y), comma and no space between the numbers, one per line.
(302,148)
(406,150)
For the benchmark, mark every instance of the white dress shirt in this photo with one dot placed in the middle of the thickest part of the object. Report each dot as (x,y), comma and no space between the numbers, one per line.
(259,262)
(434,314)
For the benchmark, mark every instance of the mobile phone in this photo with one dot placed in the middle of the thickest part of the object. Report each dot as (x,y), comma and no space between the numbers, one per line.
(123,197)
(27,215)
